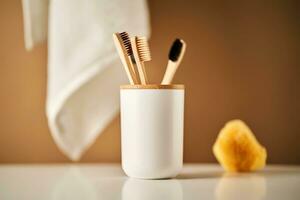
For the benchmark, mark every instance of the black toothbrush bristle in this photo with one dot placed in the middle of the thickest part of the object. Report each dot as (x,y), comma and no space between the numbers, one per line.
(126,42)
(175,50)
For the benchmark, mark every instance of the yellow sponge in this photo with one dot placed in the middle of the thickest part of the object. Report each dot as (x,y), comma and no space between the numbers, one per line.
(237,149)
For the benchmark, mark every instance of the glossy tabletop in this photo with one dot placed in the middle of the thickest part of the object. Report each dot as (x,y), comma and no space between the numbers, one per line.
(108,182)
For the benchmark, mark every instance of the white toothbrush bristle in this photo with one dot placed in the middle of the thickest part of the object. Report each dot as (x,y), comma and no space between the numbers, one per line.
(143,49)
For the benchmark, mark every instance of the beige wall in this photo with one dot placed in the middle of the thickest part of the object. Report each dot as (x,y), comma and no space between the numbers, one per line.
(242,62)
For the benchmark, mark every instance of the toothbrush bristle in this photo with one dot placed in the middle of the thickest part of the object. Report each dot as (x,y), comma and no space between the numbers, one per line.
(175,50)
(126,42)
(143,49)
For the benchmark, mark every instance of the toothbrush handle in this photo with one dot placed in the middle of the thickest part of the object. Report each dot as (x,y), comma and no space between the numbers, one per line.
(170,72)
(142,73)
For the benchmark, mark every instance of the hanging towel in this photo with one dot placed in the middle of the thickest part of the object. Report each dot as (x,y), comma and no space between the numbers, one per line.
(84,71)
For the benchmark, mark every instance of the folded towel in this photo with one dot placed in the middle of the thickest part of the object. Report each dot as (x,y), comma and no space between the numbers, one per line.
(84,72)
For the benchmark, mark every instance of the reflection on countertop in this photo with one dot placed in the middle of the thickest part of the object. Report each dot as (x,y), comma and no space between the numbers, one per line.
(107,181)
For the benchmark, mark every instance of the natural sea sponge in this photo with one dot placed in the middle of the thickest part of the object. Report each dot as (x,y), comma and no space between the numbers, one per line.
(237,149)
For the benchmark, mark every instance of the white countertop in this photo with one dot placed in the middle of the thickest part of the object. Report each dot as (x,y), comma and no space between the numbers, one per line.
(108,182)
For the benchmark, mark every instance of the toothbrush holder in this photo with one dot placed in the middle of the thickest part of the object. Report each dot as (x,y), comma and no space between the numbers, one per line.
(152,119)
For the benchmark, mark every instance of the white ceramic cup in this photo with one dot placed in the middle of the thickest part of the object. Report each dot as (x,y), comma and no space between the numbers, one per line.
(152,118)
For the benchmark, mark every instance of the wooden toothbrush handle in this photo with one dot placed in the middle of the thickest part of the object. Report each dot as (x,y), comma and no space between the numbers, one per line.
(142,73)
(170,72)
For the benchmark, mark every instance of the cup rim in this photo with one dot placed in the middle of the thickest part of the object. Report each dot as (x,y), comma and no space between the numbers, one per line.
(153,86)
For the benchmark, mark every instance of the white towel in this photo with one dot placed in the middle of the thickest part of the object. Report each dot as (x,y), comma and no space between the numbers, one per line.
(84,71)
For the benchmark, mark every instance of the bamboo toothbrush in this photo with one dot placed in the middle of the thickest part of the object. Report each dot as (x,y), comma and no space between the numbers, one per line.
(123,45)
(141,52)
(175,57)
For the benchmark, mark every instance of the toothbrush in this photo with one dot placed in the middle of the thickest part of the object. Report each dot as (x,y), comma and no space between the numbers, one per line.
(123,46)
(141,52)
(175,57)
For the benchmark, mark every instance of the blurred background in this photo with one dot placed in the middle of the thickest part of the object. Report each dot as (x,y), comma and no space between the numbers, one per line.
(242,61)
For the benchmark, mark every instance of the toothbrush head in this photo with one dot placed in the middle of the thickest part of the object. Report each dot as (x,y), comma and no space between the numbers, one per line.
(143,49)
(126,42)
(176,50)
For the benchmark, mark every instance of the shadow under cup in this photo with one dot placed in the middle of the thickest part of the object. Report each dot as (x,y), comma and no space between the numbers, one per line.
(152,118)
